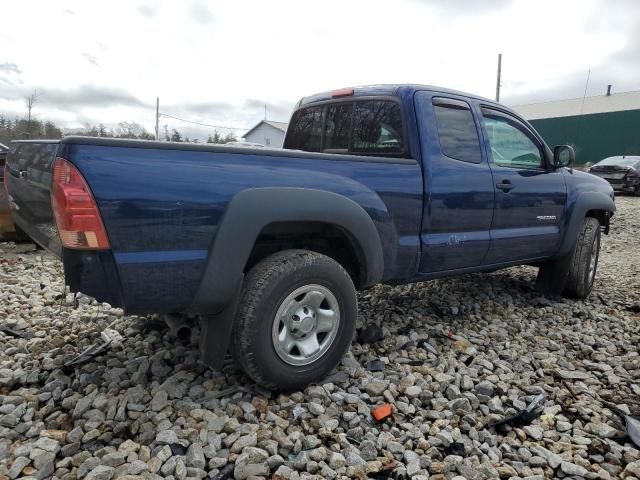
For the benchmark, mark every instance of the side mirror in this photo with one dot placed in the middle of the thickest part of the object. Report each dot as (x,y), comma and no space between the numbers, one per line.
(563,156)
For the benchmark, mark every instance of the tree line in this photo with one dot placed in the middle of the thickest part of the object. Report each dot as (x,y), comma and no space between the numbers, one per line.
(33,128)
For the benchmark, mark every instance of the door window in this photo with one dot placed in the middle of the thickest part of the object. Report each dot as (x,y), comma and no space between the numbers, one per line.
(511,144)
(457,130)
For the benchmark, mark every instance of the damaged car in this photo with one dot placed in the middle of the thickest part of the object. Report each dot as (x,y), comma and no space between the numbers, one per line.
(622,172)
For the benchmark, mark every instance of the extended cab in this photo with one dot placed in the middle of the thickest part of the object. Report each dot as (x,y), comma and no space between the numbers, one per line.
(395,183)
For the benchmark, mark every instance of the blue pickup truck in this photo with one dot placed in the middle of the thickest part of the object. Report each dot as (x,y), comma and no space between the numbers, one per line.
(394,183)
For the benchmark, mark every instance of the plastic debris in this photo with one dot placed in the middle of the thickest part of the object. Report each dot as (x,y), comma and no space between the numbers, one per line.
(381,412)
(631,422)
(526,416)
(632,426)
(108,337)
(226,472)
(427,346)
(375,366)
(371,333)
(11,332)
(456,448)
(111,337)
(459,341)
(297,411)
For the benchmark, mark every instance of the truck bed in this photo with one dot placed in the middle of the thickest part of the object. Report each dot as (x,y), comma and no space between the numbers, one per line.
(161,204)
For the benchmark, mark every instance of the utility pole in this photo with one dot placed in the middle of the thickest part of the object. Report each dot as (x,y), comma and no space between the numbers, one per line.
(265,111)
(157,119)
(498,81)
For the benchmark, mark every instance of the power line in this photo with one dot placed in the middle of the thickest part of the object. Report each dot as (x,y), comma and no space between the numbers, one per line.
(202,124)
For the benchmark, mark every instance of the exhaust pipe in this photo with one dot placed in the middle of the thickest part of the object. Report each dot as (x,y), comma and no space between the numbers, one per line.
(179,326)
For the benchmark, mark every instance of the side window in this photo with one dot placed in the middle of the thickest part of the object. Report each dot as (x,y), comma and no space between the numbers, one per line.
(305,132)
(337,127)
(457,130)
(511,144)
(377,128)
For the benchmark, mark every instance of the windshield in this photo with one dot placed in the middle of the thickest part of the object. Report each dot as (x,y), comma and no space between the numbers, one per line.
(622,161)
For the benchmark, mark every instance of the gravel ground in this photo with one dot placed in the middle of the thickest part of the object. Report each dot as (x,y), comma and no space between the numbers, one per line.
(147,409)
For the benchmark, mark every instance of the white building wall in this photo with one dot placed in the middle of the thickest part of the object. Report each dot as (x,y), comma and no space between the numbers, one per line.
(266,135)
(575,106)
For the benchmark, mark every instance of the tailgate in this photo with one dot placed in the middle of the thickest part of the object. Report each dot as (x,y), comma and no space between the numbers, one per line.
(28,179)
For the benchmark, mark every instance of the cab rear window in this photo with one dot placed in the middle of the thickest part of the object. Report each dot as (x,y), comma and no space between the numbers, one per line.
(357,127)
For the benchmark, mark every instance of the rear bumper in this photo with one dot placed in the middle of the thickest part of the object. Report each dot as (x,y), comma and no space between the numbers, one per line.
(93,273)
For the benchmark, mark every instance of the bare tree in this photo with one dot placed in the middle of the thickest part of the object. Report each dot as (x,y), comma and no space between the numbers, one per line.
(31,101)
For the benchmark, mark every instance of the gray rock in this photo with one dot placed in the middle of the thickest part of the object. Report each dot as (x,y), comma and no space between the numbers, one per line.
(243,472)
(572,374)
(573,469)
(375,387)
(18,465)
(160,400)
(83,405)
(167,436)
(485,388)
(353,459)
(47,444)
(337,460)
(244,441)
(137,467)
(180,471)
(101,472)
(534,431)
(195,456)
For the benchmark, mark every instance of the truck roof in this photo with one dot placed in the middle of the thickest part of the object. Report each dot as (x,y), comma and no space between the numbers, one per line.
(400,90)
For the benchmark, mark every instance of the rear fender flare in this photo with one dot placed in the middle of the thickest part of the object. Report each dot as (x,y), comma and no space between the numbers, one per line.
(252,210)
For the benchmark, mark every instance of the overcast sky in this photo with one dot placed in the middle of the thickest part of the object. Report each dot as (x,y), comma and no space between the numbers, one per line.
(220,62)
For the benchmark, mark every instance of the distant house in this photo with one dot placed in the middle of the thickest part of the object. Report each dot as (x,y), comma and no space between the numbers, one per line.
(268,133)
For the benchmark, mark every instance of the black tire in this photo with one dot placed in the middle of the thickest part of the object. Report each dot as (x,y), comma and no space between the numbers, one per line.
(636,191)
(581,276)
(266,288)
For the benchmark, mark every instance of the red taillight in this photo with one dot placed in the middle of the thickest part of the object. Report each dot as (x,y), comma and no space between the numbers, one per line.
(342,92)
(77,216)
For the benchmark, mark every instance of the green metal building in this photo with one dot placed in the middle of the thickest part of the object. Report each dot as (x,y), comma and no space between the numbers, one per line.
(597,127)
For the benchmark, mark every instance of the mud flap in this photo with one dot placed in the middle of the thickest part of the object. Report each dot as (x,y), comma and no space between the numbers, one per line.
(553,275)
(216,332)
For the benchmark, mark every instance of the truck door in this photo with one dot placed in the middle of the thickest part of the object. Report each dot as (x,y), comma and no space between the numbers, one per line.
(458,186)
(530,198)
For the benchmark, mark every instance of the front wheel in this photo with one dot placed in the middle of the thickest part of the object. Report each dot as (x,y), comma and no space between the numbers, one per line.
(296,319)
(582,271)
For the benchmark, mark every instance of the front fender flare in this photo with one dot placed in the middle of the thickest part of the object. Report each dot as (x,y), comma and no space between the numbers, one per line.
(578,211)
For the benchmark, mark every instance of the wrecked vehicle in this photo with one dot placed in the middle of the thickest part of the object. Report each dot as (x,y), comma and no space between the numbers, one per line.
(396,183)
(6,224)
(622,172)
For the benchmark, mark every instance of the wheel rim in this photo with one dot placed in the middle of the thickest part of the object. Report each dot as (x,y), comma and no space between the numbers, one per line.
(305,324)
(593,261)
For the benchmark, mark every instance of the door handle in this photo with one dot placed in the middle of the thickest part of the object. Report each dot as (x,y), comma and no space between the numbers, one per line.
(505,185)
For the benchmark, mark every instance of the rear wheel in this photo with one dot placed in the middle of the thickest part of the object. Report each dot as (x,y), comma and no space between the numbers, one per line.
(296,319)
(582,271)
